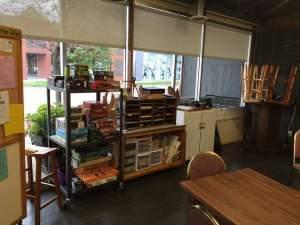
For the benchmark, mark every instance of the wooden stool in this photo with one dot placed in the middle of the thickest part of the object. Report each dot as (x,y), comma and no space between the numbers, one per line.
(39,153)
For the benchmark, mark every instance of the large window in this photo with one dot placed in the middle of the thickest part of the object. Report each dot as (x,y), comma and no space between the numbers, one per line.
(41,59)
(97,58)
(157,69)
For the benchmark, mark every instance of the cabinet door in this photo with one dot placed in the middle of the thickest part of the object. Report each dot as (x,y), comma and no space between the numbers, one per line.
(192,121)
(207,130)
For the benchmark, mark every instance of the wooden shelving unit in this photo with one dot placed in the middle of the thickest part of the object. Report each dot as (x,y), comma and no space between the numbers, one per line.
(140,113)
(154,169)
(163,130)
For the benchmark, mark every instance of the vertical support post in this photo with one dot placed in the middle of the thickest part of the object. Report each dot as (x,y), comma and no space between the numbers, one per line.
(48,116)
(67,97)
(129,44)
(173,82)
(200,65)
(121,155)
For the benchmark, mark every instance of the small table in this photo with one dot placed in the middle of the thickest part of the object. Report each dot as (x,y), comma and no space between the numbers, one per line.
(246,197)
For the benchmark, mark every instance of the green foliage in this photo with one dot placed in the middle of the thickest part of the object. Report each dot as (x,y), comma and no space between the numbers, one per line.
(94,57)
(38,121)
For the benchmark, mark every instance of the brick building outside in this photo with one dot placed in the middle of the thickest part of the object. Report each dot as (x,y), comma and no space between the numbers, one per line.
(38,60)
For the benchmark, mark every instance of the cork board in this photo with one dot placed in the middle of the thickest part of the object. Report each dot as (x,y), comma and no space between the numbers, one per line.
(12,189)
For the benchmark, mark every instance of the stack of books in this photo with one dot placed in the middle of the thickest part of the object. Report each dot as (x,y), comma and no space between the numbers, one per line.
(100,118)
(79,132)
(85,158)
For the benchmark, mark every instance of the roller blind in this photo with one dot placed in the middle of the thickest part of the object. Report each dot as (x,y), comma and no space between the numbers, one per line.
(227,43)
(36,18)
(82,21)
(94,21)
(154,31)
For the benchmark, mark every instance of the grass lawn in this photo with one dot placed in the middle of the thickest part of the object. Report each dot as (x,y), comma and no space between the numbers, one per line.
(35,83)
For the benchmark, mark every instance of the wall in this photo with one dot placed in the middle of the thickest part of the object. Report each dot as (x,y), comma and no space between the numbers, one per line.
(278,43)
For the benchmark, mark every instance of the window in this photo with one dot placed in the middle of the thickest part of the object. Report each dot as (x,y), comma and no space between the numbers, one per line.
(97,58)
(189,73)
(40,60)
(222,78)
(156,69)
(178,72)
(225,51)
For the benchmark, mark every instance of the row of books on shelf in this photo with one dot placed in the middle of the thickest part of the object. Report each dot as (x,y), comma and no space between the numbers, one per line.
(93,167)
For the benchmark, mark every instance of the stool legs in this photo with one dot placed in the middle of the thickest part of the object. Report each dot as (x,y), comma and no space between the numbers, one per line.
(34,191)
(30,174)
(56,183)
(37,200)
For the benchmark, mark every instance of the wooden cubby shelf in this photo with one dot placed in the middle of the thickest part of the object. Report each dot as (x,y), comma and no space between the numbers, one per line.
(135,144)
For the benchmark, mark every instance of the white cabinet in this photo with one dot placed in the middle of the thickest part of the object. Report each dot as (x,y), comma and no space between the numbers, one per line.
(200,130)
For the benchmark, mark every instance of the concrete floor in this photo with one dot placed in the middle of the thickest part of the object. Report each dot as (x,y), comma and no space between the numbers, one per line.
(157,199)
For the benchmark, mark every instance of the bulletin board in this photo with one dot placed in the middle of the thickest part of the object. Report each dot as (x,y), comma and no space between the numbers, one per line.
(12,166)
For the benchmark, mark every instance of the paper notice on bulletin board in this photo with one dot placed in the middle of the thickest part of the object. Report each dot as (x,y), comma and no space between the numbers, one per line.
(4,107)
(6,45)
(3,164)
(16,123)
(7,72)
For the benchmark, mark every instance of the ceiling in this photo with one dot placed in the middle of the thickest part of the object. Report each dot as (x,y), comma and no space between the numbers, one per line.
(256,10)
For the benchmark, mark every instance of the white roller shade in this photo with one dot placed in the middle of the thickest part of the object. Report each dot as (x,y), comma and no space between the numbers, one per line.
(94,21)
(165,33)
(36,18)
(81,21)
(225,42)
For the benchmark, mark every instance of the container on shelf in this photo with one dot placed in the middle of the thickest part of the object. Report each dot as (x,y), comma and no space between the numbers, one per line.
(156,157)
(143,161)
(144,145)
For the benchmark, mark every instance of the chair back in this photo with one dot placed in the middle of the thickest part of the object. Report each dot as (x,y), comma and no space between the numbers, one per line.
(205,164)
(296,163)
(199,216)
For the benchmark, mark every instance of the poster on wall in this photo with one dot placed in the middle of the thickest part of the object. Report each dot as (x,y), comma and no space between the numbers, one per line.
(4,107)
(7,72)
(3,164)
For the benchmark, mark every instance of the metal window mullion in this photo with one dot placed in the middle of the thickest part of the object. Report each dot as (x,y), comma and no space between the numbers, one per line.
(200,65)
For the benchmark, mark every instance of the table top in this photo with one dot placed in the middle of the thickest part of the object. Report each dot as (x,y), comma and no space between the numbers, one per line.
(246,197)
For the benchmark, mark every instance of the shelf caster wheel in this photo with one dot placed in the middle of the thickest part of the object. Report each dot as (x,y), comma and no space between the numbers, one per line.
(122,186)
(67,204)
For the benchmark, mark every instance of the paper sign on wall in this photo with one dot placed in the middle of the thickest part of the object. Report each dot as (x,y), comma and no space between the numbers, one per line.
(3,164)
(4,107)
(6,45)
(7,72)
(16,124)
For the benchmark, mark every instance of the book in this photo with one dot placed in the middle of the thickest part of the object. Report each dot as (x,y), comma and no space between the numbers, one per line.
(73,141)
(77,164)
(97,175)
(90,154)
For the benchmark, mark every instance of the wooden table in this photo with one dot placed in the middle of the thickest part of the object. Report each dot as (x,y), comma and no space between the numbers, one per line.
(246,197)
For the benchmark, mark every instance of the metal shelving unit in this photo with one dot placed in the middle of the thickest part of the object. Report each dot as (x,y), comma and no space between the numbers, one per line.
(68,146)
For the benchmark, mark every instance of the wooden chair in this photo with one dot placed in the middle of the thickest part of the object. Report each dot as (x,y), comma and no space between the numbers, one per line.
(199,216)
(205,164)
(296,155)
(202,165)
(34,191)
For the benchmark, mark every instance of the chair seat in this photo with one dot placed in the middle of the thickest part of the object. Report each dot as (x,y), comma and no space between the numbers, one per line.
(38,151)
